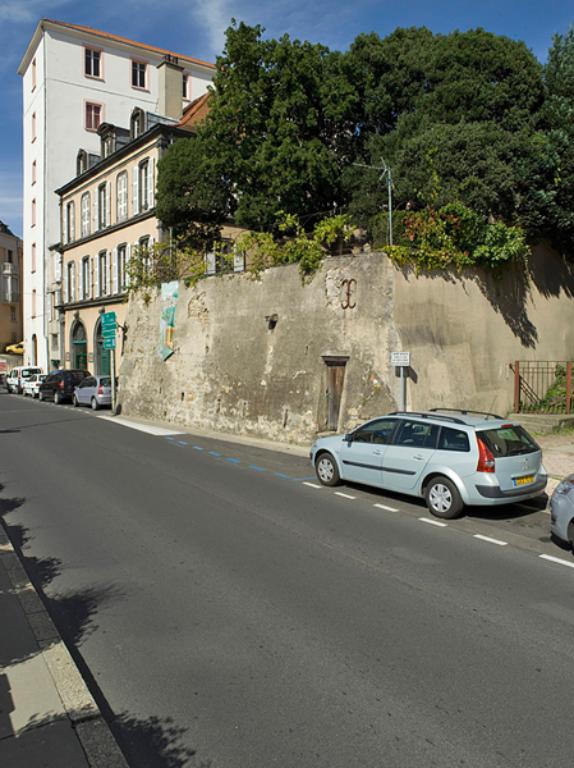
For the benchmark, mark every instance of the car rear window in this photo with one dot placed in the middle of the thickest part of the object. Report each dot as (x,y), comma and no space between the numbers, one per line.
(508,440)
(106,381)
(77,376)
(453,440)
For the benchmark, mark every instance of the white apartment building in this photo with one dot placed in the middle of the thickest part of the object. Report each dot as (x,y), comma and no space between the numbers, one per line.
(74,79)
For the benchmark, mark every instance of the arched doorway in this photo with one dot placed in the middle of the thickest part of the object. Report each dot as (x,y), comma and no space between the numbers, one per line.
(101,356)
(34,349)
(79,346)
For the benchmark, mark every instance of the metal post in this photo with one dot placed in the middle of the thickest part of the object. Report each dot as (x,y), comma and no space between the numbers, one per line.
(113,373)
(516,386)
(403,371)
(568,386)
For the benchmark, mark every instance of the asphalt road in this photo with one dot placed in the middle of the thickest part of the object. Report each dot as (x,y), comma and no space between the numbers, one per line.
(229,615)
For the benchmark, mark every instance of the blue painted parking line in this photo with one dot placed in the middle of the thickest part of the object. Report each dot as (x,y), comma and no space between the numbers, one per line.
(233,460)
(255,468)
(198,448)
(283,475)
(215,453)
(182,442)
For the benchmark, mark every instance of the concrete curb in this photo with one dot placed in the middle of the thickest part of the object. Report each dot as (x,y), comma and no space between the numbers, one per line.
(92,731)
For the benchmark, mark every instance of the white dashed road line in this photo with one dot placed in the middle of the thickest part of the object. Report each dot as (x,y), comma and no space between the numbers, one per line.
(430,521)
(312,485)
(557,560)
(387,509)
(498,542)
(344,495)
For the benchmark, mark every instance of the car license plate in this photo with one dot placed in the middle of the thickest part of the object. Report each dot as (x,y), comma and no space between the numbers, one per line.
(523,480)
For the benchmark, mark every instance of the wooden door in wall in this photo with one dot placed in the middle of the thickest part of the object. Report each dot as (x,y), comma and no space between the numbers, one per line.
(334,392)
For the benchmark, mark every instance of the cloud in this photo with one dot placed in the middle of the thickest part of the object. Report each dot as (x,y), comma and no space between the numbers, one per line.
(214,16)
(25,11)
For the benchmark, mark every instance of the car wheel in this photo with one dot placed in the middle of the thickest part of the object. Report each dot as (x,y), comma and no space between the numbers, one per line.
(75,402)
(326,469)
(571,533)
(57,398)
(443,498)
(95,404)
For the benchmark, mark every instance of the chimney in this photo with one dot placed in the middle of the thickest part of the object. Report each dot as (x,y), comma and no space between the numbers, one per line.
(170,76)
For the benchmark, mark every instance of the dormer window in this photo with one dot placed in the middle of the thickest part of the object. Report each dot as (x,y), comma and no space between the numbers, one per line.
(137,123)
(81,162)
(108,145)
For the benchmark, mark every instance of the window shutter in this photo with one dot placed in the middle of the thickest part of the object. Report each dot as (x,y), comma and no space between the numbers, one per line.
(73,286)
(114,271)
(66,286)
(96,212)
(238,260)
(135,191)
(73,222)
(151,183)
(91,275)
(97,258)
(127,265)
(81,282)
(108,221)
(210,263)
(64,226)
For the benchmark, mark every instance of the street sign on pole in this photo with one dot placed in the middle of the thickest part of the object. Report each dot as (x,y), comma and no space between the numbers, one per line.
(110,343)
(402,361)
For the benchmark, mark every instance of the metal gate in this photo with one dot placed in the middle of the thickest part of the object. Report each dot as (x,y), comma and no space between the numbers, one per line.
(542,387)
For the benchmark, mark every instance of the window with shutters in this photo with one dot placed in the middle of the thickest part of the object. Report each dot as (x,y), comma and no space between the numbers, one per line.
(33,126)
(102,212)
(143,185)
(103,272)
(33,213)
(122,196)
(122,266)
(70,284)
(34,74)
(145,254)
(34,171)
(34,302)
(70,223)
(86,277)
(85,214)
(33,257)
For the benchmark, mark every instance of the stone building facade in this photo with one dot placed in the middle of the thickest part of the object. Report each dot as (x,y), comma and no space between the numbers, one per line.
(11,288)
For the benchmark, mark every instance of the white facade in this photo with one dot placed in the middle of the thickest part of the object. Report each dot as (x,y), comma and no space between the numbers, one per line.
(56,94)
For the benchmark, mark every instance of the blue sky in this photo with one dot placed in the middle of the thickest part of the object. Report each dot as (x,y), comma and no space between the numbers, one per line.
(197,28)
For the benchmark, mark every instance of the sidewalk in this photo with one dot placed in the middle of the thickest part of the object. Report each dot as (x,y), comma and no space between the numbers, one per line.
(558,456)
(48,719)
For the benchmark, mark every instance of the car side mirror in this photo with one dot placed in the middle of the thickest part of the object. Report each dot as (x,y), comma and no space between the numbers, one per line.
(348,438)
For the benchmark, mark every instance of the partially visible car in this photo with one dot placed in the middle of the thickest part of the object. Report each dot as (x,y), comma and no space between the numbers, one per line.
(450,457)
(17,376)
(562,511)
(59,385)
(95,391)
(31,386)
(15,349)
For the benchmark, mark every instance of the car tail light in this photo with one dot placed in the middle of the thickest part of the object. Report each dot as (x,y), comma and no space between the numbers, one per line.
(61,384)
(100,390)
(485,457)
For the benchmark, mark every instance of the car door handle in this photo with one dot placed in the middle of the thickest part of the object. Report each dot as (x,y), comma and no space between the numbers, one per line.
(418,457)
(377,452)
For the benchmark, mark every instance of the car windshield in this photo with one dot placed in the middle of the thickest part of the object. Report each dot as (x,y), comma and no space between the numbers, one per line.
(27,372)
(508,440)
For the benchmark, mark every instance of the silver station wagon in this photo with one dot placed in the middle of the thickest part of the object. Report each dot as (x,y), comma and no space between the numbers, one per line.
(451,458)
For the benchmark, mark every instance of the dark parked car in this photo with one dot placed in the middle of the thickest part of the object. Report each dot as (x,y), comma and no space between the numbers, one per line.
(59,385)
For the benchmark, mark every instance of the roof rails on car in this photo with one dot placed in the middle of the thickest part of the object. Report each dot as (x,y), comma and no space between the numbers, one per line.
(422,415)
(466,411)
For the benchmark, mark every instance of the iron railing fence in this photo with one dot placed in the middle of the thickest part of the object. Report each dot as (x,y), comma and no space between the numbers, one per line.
(542,386)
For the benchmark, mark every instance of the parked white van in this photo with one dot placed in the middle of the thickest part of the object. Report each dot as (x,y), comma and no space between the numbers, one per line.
(17,376)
